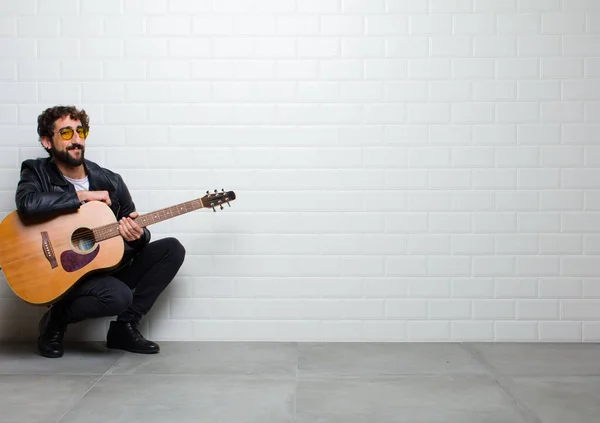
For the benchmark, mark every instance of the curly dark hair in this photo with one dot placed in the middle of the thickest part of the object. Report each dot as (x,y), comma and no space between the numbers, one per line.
(49,116)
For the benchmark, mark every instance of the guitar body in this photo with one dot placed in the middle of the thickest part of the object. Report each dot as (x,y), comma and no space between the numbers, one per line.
(42,261)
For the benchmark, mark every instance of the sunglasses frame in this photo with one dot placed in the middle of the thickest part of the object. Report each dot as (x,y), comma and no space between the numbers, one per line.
(81,131)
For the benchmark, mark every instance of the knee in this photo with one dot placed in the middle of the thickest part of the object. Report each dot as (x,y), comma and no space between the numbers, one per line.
(175,250)
(119,298)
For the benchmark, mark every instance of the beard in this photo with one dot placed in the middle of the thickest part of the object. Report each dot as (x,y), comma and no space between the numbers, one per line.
(65,157)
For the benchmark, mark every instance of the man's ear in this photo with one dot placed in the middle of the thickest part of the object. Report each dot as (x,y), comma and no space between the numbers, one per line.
(46,142)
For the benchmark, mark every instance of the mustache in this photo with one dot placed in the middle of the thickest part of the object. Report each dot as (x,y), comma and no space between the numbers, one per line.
(75,146)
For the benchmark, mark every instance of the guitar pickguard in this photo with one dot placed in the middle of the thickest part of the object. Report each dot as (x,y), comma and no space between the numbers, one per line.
(71,261)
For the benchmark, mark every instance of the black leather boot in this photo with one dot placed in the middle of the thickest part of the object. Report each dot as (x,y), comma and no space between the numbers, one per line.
(52,330)
(126,336)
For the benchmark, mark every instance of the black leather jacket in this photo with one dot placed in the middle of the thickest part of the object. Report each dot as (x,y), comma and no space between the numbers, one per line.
(42,192)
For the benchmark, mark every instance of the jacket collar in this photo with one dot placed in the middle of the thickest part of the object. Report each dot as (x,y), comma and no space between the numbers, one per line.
(92,170)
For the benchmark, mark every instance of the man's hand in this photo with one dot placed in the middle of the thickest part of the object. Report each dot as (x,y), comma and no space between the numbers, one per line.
(130,230)
(94,196)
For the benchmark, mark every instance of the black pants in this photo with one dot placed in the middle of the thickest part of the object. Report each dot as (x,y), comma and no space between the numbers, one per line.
(128,293)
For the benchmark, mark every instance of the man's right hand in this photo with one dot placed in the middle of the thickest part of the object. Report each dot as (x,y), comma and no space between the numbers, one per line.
(94,196)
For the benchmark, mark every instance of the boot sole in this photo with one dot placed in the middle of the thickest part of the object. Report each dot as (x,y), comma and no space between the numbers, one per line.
(50,355)
(133,350)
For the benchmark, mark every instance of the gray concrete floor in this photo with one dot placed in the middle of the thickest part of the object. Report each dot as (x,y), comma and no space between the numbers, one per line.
(304,382)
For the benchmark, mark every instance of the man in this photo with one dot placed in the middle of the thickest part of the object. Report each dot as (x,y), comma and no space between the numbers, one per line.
(61,183)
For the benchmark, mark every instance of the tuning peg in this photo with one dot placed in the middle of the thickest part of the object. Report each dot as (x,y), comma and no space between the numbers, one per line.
(221,207)
(214,210)
(207,192)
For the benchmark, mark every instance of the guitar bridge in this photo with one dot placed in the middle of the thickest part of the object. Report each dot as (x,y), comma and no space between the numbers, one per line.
(48,250)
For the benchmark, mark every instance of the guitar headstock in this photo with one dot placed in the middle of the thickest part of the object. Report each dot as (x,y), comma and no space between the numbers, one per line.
(217,199)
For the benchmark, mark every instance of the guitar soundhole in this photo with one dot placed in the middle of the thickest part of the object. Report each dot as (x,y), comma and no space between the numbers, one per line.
(83,239)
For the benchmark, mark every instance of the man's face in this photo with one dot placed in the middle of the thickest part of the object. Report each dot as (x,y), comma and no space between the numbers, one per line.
(67,151)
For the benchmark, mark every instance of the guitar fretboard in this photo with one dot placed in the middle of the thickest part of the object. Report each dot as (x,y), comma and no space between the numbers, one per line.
(108,231)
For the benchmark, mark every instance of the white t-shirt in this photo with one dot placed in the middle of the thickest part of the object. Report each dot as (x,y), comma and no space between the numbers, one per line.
(80,184)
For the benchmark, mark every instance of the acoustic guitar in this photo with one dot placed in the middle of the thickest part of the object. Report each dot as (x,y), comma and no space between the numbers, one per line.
(41,261)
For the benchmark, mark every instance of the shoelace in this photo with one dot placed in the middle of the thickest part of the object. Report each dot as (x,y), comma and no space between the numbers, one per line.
(136,332)
(55,335)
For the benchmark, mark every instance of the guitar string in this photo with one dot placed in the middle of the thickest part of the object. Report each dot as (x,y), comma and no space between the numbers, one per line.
(105,230)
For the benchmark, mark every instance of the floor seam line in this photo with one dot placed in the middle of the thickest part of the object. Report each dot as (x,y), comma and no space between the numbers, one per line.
(79,400)
(89,389)
(529,414)
(295,406)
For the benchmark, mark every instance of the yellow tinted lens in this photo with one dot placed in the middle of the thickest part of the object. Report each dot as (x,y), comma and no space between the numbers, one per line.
(82,132)
(66,133)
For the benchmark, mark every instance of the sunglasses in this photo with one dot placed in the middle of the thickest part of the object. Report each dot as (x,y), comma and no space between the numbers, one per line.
(68,132)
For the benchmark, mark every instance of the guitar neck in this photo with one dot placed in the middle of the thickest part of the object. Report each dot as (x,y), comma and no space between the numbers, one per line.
(102,233)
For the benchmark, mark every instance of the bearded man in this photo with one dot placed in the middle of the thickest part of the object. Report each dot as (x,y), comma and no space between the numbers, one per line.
(61,183)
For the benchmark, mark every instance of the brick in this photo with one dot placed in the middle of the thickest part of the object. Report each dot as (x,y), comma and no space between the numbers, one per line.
(465,331)
(164,26)
(494,6)
(108,7)
(386,25)
(563,23)
(430,25)
(149,7)
(297,25)
(522,23)
(342,25)
(477,24)
(562,68)
(189,6)
(539,5)
(538,310)
(517,201)
(451,6)
(319,6)
(560,331)
(516,331)
(43,26)
(429,69)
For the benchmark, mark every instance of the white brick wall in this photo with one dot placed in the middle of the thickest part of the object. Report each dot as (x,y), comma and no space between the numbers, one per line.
(406,170)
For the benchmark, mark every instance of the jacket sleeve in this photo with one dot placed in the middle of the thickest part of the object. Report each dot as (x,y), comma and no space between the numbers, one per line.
(128,207)
(33,202)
